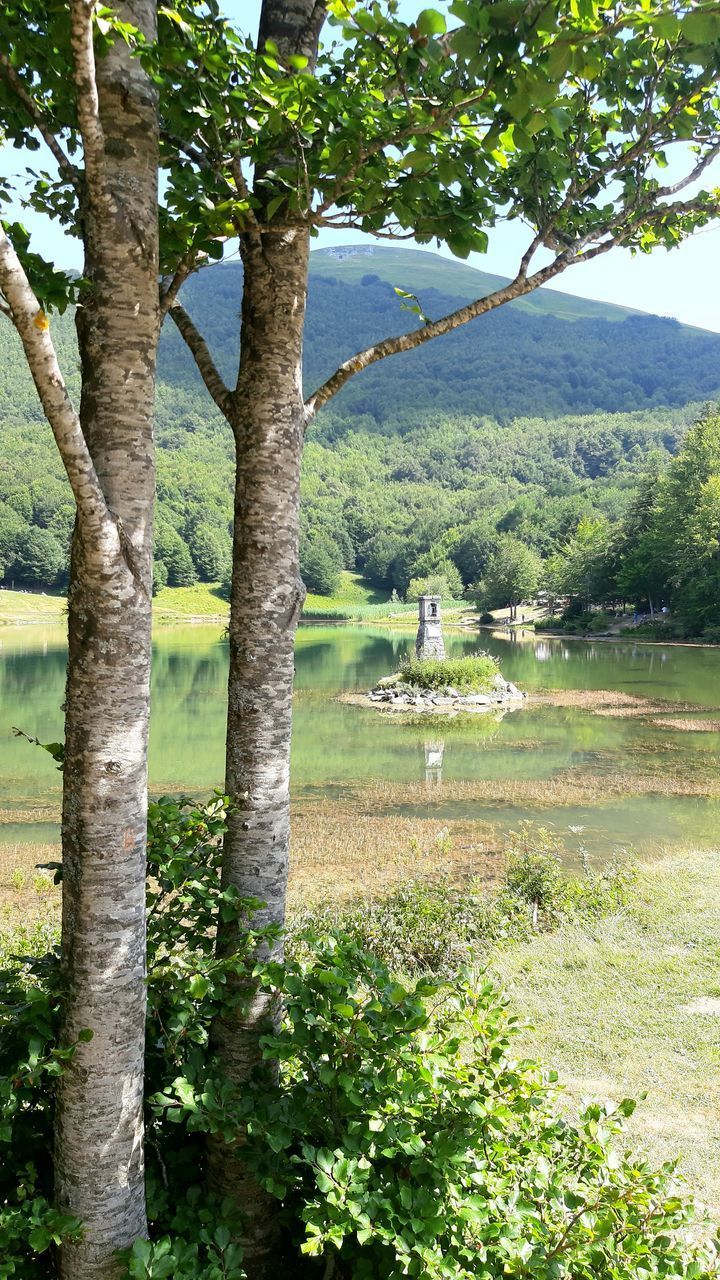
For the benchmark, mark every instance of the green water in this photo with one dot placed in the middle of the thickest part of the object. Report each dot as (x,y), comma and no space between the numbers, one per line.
(379,765)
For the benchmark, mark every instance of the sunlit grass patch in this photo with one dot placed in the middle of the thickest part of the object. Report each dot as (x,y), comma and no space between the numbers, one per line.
(613,1007)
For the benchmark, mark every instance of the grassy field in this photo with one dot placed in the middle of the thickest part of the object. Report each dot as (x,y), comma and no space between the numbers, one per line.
(172,604)
(30,606)
(355,599)
(631,1006)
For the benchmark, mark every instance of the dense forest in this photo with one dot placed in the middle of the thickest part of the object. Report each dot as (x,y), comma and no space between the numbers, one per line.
(523,424)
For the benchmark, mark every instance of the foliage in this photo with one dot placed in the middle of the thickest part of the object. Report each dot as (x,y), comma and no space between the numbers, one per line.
(444,582)
(406,1138)
(470,674)
(512,574)
(320,566)
(30,1062)
(437,926)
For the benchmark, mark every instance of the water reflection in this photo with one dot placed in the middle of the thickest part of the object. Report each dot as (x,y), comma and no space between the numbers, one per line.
(621,778)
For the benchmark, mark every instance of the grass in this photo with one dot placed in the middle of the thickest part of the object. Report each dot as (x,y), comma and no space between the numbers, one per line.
(355,600)
(30,606)
(471,674)
(630,1004)
(200,601)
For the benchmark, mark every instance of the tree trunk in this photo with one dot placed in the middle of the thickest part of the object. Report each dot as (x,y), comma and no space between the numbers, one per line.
(267,596)
(99,1132)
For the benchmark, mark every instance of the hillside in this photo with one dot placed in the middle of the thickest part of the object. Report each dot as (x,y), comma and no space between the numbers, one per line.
(543,357)
(524,420)
(417,270)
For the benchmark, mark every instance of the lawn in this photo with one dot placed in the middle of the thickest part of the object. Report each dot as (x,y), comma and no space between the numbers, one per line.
(30,606)
(630,1005)
(354,599)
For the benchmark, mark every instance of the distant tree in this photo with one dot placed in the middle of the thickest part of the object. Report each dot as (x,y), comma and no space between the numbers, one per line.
(160,576)
(209,553)
(587,571)
(39,558)
(320,567)
(445,581)
(475,546)
(175,555)
(511,576)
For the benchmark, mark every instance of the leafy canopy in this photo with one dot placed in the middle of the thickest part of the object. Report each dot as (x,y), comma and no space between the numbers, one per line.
(562,114)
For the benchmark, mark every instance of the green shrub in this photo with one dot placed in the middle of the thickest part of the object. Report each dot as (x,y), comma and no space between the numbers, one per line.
(471,674)
(409,1141)
(405,1140)
(434,926)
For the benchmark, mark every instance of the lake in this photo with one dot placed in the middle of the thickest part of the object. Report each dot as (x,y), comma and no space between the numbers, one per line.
(369,789)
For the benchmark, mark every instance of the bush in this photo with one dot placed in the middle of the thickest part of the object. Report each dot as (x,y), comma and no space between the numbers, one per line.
(405,1140)
(472,674)
(434,926)
(408,1140)
(445,582)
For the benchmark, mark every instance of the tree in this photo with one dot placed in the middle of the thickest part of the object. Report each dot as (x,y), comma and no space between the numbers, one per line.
(587,571)
(556,115)
(101,111)
(680,545)
(39,558)
(320,566)
(474,547)
(175,555)
(512,575)
(444,581)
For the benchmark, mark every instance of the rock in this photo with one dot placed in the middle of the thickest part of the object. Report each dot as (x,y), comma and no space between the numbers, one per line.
(387,681)
(478,700)
(513,691)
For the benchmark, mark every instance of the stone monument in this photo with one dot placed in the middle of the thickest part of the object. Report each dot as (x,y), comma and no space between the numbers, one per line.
(429,643)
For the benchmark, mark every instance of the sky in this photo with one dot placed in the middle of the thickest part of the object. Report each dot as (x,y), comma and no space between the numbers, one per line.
(684,283)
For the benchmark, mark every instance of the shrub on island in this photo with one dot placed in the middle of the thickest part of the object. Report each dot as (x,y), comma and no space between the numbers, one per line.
(471,674)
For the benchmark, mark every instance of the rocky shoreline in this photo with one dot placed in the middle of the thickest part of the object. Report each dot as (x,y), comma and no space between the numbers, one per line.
(393,694)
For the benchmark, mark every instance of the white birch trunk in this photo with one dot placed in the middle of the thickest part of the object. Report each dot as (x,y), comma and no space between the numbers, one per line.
(99,1132)
(267,596)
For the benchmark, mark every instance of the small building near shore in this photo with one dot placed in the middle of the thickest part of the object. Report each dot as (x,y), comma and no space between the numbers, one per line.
(429,642)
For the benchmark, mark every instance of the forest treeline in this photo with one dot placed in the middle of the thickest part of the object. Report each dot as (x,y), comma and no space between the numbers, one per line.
(610,508)
(404,478)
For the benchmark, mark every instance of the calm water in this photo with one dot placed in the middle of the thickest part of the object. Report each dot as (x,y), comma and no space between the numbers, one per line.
(545,762)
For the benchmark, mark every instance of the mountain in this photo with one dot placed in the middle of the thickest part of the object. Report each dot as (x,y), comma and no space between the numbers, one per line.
(527,418)
(416,270)
(544,356)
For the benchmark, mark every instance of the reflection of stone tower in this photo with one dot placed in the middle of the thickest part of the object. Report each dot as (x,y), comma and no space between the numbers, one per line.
(434,752)
(429,643)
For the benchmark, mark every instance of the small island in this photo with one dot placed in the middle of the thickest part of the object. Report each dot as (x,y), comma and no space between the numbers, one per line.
(431,682)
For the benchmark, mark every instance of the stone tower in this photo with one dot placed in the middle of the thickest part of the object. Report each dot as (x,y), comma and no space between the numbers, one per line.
(429,643)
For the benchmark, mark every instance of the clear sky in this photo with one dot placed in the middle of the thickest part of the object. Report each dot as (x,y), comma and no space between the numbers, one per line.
(684,283)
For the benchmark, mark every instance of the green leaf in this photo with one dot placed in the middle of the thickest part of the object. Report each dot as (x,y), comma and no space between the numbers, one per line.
(431,23)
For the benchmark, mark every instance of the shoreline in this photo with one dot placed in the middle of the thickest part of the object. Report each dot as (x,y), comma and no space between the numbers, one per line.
(56,615)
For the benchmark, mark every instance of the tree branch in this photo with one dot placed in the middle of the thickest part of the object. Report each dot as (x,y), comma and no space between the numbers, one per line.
(11,77)
(88,106)
(204,361)
(32,326)
(517,288)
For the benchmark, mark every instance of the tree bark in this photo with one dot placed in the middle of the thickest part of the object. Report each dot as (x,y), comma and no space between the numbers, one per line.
(267,595)
(99,1167)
